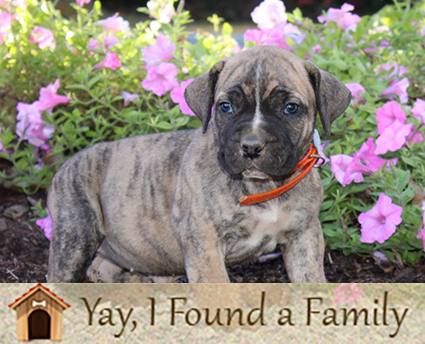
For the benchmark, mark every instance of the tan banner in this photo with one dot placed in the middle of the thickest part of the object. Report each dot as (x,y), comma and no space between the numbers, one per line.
(233,313)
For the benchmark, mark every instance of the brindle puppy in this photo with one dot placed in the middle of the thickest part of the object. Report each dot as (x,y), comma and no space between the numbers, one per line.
(158,206)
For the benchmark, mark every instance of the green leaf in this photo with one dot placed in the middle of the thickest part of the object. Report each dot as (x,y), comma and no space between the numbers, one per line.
(164,126)
(402,180)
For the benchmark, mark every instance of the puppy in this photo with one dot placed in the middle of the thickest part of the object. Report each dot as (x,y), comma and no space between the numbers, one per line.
(159,206)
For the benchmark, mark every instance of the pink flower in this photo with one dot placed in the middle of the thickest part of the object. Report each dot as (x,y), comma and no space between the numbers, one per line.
(380,257)
(347,293)
(110,61)
(277,36)
(372,161)
(161,11)
(415,137)
(346,170)
(161,79)
(110,40)
(129,97)
(357,91)
(397,87)
(269,13)
(418,110)
(322,152)
(421,234)
(30,125)
(82,2)
(48,97)
(43,37)
(380,47)
(315,50)
(379,223)
(393,137)
(161,50)
(177,95)
(114,23)
(397,70)
(387,114)
(342,17)
(5,25)
(46,225)
(93,44)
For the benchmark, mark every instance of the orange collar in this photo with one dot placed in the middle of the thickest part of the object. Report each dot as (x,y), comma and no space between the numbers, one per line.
(304,167)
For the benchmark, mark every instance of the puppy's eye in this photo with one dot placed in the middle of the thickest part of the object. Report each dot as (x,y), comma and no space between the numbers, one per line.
(291,109)
(225,108)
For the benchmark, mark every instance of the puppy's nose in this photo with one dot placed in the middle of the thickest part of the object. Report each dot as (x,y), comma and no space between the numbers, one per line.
(252,146)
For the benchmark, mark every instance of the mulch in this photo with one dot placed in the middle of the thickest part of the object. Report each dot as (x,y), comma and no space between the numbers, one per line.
(24,252)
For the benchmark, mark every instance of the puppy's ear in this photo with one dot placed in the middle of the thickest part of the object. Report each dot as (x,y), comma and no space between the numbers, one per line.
(332,97)
(199,94)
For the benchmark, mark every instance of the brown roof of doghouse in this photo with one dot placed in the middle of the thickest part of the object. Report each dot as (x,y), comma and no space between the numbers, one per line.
(32,291)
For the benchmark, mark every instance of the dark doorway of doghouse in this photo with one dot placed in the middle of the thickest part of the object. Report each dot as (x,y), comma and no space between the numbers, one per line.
(39,325)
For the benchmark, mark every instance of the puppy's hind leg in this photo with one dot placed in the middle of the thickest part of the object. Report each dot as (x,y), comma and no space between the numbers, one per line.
(78,224)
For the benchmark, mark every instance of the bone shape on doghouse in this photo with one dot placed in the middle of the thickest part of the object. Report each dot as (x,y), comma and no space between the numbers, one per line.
(41,303)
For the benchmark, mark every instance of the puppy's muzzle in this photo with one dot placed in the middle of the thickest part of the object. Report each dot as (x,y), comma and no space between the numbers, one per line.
(252,146)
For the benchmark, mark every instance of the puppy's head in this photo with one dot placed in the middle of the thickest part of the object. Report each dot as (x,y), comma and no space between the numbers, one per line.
(265,103)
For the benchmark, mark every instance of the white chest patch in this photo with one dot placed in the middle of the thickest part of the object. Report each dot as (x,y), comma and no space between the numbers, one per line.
(272,220)
(266,227)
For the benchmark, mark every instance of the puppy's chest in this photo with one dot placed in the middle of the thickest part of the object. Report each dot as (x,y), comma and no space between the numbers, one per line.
(259,231)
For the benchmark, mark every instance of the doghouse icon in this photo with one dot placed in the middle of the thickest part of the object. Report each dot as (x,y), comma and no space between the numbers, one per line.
(39,314)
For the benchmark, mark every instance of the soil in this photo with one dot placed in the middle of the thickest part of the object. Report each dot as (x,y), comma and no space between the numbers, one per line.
(24,255)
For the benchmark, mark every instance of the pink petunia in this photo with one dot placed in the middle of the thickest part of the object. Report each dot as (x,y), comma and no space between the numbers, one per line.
(345,170)
(129,97)
(421,234)
(161,50)
(387,114)
(379,256)
(5,25)
(276,36)
(93,44)
(393,137)
(114,23)
(380,47)
(315,50)
(414,136)
(161,11)
(48,97)
(43,37)
(342,17)
(396,69)
(161,79)
(177,96)
(269,13)
(322,153)
(46,225)
(418,110)
(379,223)
(368,156)
(347,293)
(399,88)
(110,61)
(110,40)
(30,125)
(82,2)
(357,91)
